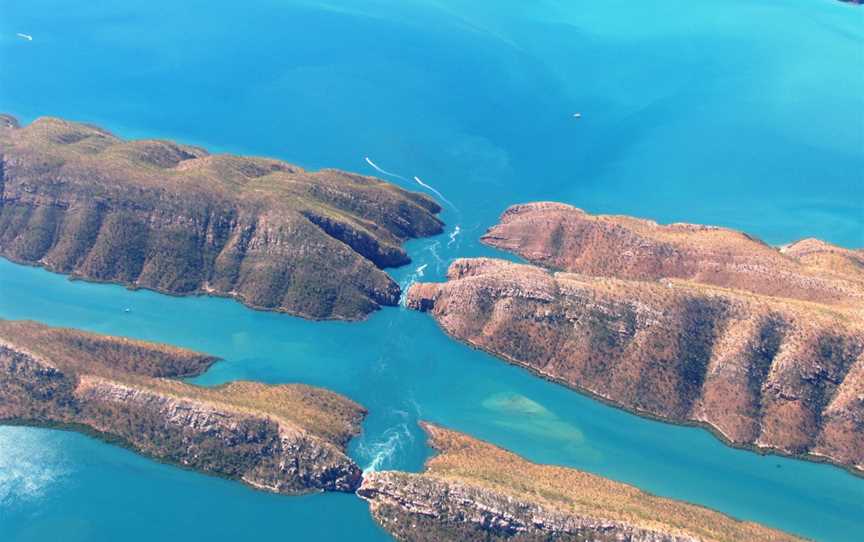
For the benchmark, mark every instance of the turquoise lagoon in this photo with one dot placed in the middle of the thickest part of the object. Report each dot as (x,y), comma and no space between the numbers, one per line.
(745,113)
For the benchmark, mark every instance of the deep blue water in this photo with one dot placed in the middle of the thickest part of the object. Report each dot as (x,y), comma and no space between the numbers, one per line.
(746,113)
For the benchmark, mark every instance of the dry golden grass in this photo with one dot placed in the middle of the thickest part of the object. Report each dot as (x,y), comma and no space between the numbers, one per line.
(77,351)
(825,257)
(470,461)
(762,371)
(173,218)
(563,237)
(176,167)
(668,290)
(141,364)
(320,412)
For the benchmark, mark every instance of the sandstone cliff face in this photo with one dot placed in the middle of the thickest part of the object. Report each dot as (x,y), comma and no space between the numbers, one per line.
(562,237)
(778,373)
(473,491)
(173,218)
(242,430)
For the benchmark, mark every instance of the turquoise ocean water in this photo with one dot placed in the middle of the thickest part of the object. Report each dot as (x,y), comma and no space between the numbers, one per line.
(745,113)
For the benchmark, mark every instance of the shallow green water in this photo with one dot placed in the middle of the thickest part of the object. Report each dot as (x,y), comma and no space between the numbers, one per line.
(738,112)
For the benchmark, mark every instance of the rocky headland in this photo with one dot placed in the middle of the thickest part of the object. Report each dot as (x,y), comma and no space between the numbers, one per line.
(685,323)
(474,491)
(174,218)
(285,438)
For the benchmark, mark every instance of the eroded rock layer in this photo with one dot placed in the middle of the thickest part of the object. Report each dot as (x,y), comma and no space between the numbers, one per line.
(473,491)
(781,372)
(562,237)
(286,439)
(169,217)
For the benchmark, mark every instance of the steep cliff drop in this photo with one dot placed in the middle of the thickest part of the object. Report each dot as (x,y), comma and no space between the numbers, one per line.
(686,323)
(173,218)
(286,438)
(473,491)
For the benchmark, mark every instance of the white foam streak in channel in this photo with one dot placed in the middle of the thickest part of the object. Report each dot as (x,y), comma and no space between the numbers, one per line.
(384,451)
(453,235)
(412,278)
(433,250)
(417,412)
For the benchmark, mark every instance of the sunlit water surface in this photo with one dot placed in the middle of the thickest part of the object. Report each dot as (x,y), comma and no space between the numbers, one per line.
(745,113)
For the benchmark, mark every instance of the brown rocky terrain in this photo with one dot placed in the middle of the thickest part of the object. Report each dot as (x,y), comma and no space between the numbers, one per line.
(473,491)
(287,438)
(173,218)
(562,237)
(685,323)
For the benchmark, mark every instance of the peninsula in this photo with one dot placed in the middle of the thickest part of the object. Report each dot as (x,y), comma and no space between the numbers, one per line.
(474,491)
(286,439)
(176,219)
(686,323)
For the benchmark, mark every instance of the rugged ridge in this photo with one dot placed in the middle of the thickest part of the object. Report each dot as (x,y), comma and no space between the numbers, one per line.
(173,218)
(562,237)
(287,438)
(661,336)
(473,491)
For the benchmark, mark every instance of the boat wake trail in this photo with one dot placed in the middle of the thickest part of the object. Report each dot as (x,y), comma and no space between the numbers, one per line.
(385,172)
(437,193)
(405,179)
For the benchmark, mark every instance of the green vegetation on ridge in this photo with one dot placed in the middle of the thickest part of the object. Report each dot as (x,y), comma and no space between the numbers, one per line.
(173,218)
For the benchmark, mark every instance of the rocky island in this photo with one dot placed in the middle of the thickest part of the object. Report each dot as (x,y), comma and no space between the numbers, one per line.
(474,491)
(292,439)
(174,218)
(685,323)
(286,438)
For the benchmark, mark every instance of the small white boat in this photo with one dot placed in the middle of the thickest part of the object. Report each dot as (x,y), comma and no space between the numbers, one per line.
(577,115)
(27,37)
(127,309)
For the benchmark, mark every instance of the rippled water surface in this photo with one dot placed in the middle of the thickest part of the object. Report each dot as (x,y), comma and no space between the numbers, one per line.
(745,113)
